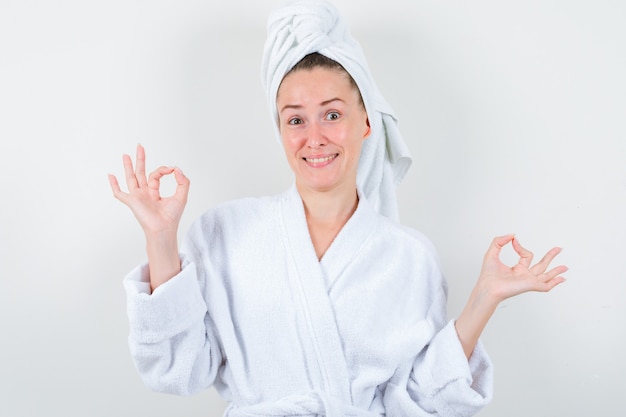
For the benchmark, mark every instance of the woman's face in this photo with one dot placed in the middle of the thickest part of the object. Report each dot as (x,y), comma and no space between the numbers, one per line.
(323,125)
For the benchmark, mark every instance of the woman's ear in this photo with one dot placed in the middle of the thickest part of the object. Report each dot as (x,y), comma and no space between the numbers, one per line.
(368,130)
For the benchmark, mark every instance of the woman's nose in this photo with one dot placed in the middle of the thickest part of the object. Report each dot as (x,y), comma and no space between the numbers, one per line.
(316,136)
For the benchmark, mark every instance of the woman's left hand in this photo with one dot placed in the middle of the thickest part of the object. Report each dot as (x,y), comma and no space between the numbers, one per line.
(501,281)
(498,281)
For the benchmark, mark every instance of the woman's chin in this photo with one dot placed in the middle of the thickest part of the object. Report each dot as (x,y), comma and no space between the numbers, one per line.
(320,184)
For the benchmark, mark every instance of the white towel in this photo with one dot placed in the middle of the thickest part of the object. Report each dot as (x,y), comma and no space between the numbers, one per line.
(302,27)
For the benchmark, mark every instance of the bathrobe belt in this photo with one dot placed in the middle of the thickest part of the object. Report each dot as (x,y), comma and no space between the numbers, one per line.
(309,405)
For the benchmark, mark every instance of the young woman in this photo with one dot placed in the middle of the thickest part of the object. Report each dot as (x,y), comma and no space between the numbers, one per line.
(315,301)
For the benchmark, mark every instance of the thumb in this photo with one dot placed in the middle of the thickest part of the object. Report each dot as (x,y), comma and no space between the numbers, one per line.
(496,246)
(182,185)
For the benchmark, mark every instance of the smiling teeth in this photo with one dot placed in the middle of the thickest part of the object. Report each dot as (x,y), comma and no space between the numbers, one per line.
(320,160)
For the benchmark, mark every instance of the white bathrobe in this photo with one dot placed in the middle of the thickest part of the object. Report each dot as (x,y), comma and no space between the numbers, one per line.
(363,332)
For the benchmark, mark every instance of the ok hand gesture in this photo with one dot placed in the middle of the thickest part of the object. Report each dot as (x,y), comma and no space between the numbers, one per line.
(157,215)
(498,281)
(503,281)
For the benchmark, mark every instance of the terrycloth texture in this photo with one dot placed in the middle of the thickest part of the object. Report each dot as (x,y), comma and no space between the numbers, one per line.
(306,26)
(361,333)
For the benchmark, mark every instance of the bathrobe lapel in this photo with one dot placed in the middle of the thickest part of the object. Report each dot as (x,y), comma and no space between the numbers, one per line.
(349,242)
(311,283)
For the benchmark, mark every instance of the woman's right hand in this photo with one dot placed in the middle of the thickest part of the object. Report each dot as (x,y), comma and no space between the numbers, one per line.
(157,215)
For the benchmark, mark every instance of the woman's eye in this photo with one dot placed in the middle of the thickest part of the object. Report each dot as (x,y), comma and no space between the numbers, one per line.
(295,121)
(333,115)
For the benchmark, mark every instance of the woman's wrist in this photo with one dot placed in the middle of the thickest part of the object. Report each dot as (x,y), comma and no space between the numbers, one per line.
(473,319)
(163,258)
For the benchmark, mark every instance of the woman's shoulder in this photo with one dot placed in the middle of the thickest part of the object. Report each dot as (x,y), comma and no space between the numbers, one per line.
(239,211)
(400,232)
(232,221)
(408,253)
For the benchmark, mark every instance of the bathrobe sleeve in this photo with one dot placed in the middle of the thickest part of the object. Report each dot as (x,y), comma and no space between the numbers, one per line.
(171,339)
(442,379)
(439,380)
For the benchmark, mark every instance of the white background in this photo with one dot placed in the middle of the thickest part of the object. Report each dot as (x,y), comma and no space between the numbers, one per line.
(514,111)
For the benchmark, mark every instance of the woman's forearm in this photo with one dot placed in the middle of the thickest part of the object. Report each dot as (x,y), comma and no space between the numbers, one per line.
(163,257)
(474,317)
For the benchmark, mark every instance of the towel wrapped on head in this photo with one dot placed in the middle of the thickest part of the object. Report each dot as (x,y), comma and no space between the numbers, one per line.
(302,27)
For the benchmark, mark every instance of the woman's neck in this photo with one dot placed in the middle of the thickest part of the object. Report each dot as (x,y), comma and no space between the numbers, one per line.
(326,214)
(332,206)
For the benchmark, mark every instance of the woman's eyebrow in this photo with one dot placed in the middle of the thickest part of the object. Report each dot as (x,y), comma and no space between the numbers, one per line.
(326,102)
(290,106)
(299,106)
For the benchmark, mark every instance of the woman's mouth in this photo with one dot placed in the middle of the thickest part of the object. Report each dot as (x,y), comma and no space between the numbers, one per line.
(320,159)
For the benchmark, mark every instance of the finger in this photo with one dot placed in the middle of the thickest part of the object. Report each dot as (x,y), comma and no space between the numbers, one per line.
(554,273)
(131,179)
(154,181)
(549,285)
(115,186)
(496,246)
(182,185)
(140,169)
(543,264)
(525,256)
